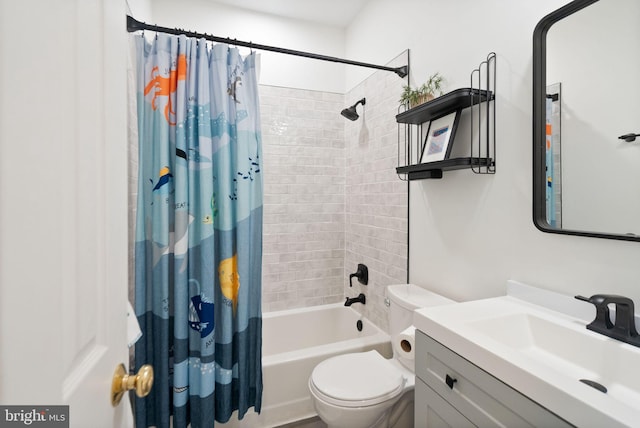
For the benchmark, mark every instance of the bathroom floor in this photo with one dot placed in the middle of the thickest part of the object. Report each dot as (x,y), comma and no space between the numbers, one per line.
(307,423)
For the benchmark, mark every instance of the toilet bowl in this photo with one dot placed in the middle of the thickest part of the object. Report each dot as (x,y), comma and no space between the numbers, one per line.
(365,390)
(357,390)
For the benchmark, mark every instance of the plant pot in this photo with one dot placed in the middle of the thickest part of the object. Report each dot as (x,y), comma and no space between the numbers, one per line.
(421,100)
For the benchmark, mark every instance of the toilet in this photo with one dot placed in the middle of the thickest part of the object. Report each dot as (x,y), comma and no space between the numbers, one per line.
(364,389)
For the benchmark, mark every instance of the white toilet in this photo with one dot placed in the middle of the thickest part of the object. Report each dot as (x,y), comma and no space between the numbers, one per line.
(364,390)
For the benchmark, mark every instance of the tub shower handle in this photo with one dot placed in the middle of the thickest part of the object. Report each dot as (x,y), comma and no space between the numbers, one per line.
(362,274)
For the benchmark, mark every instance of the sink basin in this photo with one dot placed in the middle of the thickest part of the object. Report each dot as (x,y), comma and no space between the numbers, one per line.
(548,356)
(570,349)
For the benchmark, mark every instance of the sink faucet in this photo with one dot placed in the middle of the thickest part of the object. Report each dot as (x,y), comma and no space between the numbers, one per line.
(624,328)
(360,299)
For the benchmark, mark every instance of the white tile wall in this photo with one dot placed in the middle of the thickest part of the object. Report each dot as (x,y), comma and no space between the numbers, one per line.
(332,197)
(376,199)
(304,205)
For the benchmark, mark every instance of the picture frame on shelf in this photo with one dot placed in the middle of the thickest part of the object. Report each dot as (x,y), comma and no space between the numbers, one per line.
(440,135)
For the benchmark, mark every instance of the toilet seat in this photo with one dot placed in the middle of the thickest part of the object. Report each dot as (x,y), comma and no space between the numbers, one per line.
(357,380)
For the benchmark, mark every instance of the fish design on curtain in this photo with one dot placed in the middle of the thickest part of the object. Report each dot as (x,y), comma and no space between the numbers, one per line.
(198,260)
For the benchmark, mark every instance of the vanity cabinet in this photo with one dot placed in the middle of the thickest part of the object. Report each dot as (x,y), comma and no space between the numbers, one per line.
(451,391)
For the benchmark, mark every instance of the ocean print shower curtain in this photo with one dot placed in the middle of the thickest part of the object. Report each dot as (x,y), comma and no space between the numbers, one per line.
(198,231)
(550,190)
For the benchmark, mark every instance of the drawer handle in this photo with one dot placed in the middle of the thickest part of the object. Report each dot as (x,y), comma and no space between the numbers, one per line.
(450,381)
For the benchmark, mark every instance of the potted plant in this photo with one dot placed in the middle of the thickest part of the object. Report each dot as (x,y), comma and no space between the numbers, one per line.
(426,92)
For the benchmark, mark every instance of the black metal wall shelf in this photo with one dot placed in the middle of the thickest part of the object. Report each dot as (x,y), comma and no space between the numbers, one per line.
(480,98)
(435,169)
(443,105)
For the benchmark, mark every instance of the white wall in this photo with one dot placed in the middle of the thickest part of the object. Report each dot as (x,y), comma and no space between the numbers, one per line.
(276,69)
(468,233)
(140,10)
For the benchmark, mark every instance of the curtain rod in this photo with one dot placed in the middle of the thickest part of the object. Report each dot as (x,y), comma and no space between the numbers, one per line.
(134,25)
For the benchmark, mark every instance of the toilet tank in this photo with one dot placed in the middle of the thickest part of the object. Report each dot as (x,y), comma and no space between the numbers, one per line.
(403,300)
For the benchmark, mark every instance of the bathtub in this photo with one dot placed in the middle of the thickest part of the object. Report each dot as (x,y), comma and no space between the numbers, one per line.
(293,342)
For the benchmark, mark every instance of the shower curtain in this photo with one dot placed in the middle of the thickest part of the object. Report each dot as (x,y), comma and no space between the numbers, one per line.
(198,252)
(550,191)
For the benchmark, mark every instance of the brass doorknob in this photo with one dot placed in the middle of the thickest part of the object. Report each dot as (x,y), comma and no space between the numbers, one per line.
(123,382)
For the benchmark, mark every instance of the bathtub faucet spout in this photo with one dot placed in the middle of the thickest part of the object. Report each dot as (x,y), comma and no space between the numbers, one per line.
(360,299)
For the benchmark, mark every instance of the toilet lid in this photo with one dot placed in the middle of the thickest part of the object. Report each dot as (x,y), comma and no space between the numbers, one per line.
(357,379)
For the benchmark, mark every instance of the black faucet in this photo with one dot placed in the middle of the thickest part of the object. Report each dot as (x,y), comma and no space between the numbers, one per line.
(625,327)
(360,299)
(362,274)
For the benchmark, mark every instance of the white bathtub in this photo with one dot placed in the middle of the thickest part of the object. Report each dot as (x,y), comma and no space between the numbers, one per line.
(293,342)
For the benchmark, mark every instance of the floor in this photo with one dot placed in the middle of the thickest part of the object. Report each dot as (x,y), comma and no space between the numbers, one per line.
(307,423)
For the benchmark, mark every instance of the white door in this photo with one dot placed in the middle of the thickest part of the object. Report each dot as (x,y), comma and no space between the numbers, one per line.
(63,206)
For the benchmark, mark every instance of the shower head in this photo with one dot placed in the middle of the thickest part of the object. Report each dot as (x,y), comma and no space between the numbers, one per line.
(629,138)
(350,112)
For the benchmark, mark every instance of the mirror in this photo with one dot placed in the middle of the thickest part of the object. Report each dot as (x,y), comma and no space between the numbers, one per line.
(586,112)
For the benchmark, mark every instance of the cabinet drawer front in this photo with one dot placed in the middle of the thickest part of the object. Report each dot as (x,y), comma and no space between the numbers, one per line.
(432,411)
(482,398)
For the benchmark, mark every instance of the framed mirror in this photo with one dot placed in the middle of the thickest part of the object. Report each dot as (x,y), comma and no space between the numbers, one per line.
(586,114)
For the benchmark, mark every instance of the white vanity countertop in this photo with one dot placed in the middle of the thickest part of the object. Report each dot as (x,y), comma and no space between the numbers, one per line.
(536,341)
